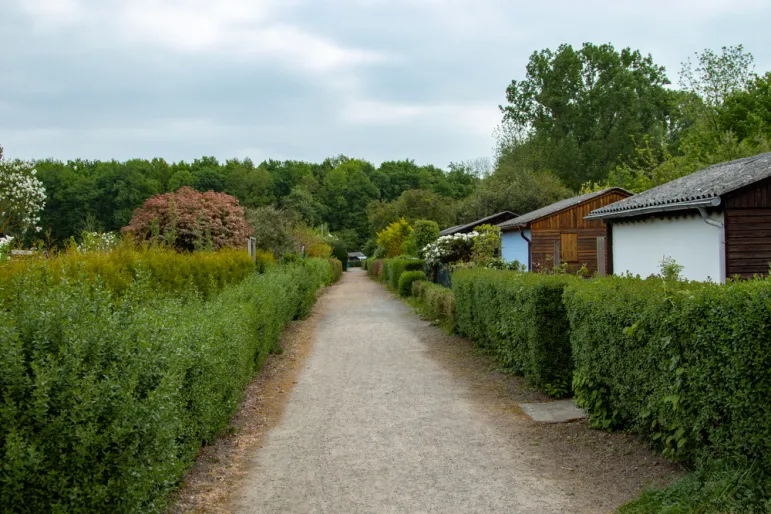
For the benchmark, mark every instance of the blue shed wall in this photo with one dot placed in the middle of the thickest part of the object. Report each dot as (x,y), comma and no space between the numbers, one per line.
(514,247)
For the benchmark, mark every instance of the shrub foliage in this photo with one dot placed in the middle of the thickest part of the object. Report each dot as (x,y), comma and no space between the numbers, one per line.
(684,364)
(393,269)
(105,401)
(521,319)
(406,280)
(189,220)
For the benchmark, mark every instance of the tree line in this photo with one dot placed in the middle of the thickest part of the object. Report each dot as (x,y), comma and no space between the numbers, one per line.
(581,119)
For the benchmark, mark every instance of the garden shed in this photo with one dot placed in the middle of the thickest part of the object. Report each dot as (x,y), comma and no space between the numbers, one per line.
(493,219)
(715,222)
(558,233)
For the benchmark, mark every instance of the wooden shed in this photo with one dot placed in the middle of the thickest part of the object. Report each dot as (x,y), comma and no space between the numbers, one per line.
(715,222)
(558,233)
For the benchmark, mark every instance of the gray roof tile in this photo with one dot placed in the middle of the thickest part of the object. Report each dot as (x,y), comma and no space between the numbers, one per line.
(705,185)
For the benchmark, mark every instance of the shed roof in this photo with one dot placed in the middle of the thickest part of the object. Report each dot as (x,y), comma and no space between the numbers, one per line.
(492,219)
(554,208)
(702,188)
(357,255)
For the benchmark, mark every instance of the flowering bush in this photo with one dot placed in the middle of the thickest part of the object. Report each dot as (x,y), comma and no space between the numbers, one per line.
(189,220)
(98,242)
(22,197)
(450,249)
(5,247)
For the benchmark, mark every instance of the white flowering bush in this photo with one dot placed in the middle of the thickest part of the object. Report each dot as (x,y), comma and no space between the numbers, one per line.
(6,242)
(22,197)
(450,249)
(98,241)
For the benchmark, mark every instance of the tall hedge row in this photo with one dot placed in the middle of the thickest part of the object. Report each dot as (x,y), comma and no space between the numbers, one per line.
(521,318)
(104,403)
(685,364)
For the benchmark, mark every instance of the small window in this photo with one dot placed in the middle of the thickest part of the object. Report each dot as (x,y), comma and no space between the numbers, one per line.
(569,247)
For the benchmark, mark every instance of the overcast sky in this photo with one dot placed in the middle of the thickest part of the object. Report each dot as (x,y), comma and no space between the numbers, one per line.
(307,79)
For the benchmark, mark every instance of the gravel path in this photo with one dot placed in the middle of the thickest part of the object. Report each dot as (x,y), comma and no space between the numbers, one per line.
(374,424)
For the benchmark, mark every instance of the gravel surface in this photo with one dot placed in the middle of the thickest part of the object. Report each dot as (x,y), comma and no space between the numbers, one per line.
(390,415)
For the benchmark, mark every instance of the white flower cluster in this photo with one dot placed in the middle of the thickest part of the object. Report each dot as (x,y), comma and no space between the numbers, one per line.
(22,197)
(448,248)
(98,242)
(5,245)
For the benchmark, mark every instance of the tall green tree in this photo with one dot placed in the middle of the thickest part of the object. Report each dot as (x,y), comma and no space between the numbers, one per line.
(583,110)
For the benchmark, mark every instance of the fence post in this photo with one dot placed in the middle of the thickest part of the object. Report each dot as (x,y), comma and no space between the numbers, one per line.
(557,256)
(601,266)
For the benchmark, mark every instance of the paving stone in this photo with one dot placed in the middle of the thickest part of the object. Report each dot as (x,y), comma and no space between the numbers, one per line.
(561,411)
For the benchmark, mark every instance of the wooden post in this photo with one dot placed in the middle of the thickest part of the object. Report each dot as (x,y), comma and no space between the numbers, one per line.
(557,256)
(601,266)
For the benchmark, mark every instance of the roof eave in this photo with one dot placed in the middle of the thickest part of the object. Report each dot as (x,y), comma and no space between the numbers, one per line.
(641,211)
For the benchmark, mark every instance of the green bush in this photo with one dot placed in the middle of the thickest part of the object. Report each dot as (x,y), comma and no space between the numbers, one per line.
(335,270)
(104,403)
(520,317)
(340,252)
(438,302)
(686,365)
(375,269)
(364,265)
(406,279)
(393,269)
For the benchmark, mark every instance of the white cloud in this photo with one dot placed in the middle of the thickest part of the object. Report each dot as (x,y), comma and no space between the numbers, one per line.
(53,13)
(470,118)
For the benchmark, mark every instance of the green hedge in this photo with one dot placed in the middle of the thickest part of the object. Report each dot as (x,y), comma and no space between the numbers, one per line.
(375,268)
(438,301)
(520,317)
(169,271)
(686,365)
(104,404)
(406,280)
(393,269)
(335,270)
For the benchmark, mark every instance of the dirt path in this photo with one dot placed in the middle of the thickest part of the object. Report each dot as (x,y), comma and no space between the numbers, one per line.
(391,415)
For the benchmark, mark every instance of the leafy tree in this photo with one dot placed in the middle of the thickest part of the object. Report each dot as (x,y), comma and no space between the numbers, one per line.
(181,179)
(747,113)
(715,76)
(273,229)
(512,188)
(424,233)
(304,205)
(189,220)
(392,237)
(583,110)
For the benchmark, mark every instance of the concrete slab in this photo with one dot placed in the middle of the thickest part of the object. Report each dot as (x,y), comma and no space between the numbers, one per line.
(561,411)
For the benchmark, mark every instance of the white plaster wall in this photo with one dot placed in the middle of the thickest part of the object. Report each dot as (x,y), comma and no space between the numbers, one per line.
(640,246)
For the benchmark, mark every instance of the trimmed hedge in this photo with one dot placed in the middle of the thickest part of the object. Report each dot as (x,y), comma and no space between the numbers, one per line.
(439,301)
(393,269)
(686,365)
(335,270)
(169,271)
(375,269)
(520,317)
(406,280)
(104,404)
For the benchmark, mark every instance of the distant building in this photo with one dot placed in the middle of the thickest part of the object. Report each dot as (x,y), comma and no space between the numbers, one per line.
(493,219)
(715,222)
(559,233)
(356,257)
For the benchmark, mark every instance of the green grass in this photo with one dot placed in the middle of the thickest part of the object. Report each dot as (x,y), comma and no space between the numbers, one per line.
(717,488)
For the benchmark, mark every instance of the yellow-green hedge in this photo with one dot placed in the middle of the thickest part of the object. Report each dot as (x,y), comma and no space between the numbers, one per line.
(169,271)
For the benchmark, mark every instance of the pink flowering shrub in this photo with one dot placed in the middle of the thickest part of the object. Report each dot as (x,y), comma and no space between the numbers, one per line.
(189,220)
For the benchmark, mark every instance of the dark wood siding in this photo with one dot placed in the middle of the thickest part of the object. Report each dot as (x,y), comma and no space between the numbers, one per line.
(548,230)
(748,230)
